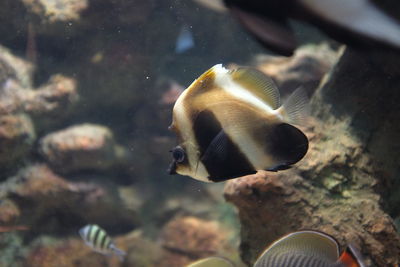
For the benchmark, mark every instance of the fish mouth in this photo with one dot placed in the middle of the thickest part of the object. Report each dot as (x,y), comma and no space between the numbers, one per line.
(172,168)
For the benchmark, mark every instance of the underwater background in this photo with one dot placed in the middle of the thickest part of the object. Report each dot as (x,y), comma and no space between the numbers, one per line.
(86,96)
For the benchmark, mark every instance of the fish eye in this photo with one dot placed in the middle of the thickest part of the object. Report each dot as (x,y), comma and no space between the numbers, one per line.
(178,154)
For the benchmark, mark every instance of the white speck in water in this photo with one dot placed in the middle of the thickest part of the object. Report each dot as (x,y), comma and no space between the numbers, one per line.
(147,77)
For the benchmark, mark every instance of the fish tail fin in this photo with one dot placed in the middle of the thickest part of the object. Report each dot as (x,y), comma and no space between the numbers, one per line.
(120,253)
(351,258)
(295,110)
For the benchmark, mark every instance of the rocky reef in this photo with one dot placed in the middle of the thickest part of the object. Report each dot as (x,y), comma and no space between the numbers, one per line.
(83,133)
(346,185)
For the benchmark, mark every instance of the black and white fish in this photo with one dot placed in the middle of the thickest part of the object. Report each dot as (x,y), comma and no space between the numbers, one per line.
(359,23)
(231,123)
(97,238)
(308,249)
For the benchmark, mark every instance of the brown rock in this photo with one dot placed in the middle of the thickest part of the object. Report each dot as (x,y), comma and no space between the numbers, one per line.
(82,147)
(59,10)
(9,212)
(193,237)
(49,203)
(68,253)
(140,252)
(47,104)
(333,189)
(14,68)
(54,98)
(304,69)
(16,139)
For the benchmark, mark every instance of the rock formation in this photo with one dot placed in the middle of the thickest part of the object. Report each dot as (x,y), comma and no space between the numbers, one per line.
(347,184)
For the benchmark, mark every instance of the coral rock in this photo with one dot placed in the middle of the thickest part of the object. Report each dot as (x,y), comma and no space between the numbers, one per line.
(55,97)
(193,237)
(58,10)
(49,203)
(82,147)
(14,68)
(140,252)
(304,69)
(72,252)
(334,188)
(9,212)
(16,138)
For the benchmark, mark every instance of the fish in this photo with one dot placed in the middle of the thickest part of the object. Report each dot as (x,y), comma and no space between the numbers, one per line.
(358,23)
(185,40)
(231,123)
(308,249)
(97,239)
(211,262)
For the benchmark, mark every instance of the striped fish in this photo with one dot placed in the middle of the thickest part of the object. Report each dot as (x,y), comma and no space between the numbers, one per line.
(97,238)
(308,249)
(231,123)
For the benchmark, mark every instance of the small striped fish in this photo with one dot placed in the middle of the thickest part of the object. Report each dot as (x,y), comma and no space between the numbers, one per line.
(97,238)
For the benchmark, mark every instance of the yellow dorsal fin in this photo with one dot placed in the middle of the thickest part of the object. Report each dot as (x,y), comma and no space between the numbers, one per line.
(258,84)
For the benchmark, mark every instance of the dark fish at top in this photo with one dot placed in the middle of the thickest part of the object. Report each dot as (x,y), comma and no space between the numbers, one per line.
(359,23)
(308,249)
(231,123)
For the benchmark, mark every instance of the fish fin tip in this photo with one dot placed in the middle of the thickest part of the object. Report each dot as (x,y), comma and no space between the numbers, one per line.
(296,109)
(351,257)
(117,250)
(259,84)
